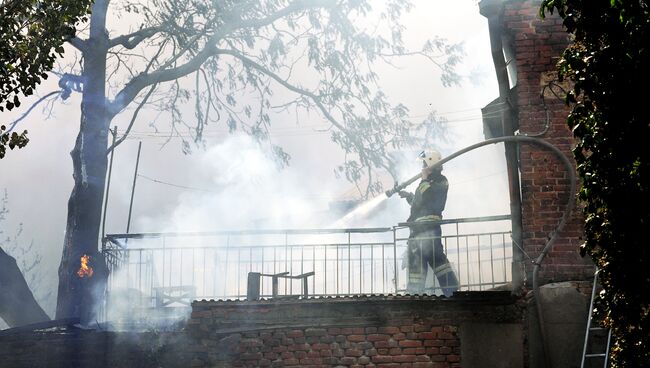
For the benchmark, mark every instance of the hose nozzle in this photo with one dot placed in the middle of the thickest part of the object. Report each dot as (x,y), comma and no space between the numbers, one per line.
(390,192)
(402,186)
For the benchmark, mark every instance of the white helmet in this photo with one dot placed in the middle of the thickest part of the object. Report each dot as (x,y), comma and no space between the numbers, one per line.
(430,157)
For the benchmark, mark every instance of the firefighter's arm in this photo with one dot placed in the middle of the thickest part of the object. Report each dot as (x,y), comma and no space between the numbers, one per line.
(406,195)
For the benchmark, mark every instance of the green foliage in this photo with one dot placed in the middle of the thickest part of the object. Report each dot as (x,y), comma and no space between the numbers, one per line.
(32,33)
(608,64)
(13,140)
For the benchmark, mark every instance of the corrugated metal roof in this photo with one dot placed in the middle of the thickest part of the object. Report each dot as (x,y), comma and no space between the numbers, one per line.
(463,295)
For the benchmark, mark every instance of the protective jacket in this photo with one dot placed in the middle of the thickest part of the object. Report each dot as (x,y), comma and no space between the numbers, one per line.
(429,199)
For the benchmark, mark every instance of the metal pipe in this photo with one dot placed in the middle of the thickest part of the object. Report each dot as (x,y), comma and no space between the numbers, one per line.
(135,178)
(108,187)
(522,139)
(494,13)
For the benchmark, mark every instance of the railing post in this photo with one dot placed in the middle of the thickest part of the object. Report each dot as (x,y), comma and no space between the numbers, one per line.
(305,284)
(253,291)
(274,281)
(396,278)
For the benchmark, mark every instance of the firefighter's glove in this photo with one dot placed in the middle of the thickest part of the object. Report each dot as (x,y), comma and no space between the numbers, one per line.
(406,195)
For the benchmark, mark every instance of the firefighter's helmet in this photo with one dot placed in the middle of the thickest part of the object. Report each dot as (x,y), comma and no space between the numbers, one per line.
(430,157)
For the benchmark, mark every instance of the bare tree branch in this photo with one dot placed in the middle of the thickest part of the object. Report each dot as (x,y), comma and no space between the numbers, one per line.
(128,93)
(24,115)
(131,40)
(133,118)
(78,43)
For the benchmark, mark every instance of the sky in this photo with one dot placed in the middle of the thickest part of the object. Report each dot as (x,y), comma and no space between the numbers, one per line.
(231,185)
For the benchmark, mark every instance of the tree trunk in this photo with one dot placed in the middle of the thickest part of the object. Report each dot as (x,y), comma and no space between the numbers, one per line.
(17,304)
(82,296)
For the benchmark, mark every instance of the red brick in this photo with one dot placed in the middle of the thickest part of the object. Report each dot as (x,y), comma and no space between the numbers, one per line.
(388,330)
(445,350)
(279,349)
(420,328)
(378,337)
(310,361)
(333,331)
(382,344)
(286,355)
(382,359)
(356,338)
(348,360)
(353,353)
(315,332)
(300,354)
(433,351)
(271,355)
(427,335)
(446,336)
(295,333)
(363,360)
(410,343)
(320,346)
(404,358)
(292,361)
(434,343)
(423,365)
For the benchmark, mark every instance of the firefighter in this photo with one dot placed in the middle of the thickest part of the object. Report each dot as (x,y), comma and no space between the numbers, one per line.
(424,244)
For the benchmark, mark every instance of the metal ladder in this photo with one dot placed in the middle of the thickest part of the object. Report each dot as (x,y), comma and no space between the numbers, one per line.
(591,330)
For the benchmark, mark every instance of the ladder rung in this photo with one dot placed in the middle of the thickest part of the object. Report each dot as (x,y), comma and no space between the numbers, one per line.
(590,319)
(595,355)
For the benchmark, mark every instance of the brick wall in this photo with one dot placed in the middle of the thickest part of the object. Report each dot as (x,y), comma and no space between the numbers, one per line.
(355,332)
(538,45)
(422,345)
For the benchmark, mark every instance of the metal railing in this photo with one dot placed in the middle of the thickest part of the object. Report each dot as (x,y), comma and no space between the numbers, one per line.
(215,265)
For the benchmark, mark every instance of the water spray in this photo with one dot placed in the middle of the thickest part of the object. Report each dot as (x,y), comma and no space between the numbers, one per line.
(360,211)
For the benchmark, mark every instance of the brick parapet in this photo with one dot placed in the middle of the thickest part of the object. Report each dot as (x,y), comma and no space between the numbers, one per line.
(362,331)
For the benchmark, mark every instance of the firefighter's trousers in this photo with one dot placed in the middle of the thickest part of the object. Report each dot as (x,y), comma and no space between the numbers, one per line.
(425,249)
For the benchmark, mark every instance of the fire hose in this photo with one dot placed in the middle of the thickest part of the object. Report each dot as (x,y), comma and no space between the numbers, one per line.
(549,243)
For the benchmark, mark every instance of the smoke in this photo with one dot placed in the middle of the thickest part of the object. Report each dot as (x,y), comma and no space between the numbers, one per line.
(247,191)
(241,188)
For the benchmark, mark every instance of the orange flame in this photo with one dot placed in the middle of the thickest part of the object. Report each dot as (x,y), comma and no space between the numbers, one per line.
(85,270)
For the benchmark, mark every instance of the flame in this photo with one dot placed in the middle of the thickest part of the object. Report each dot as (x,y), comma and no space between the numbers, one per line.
(84,269)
